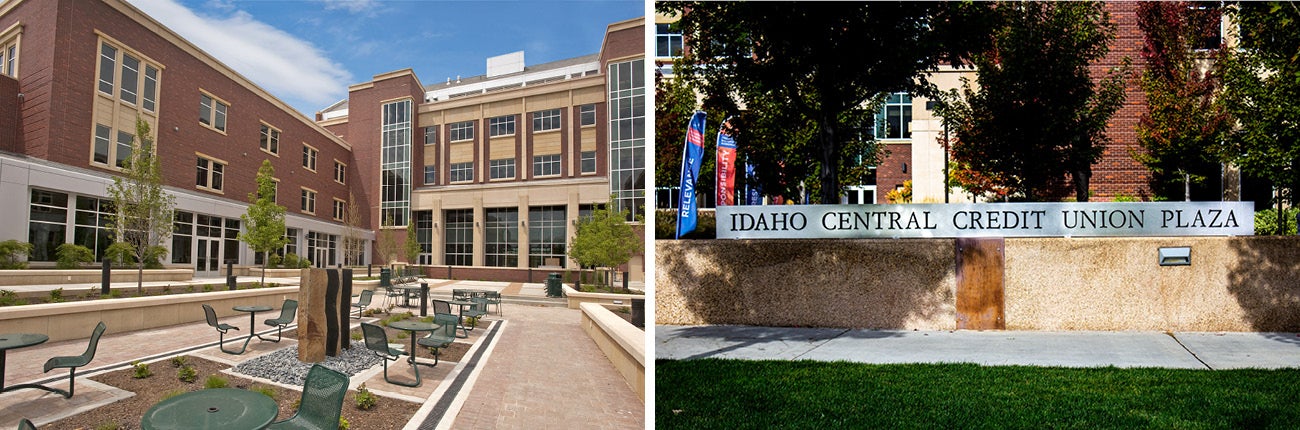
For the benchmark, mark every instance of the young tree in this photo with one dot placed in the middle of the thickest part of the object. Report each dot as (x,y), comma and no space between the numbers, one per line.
(386,244)
(412,245)
(1035,115)
(353,242)
(264,221)
(143,221)
(1183,126)
(1261,82)
(811,68)
(604,239)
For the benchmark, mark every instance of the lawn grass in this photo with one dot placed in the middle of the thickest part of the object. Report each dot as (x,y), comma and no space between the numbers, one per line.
(736,394)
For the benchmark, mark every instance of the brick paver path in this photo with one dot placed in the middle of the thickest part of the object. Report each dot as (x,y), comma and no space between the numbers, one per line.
(546,373)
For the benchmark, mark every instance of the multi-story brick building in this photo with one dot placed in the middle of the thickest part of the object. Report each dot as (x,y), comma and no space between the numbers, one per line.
(77,74)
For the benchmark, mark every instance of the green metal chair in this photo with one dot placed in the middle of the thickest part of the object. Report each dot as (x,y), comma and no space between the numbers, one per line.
(377,341)
(444,308)
(287,313)
(26,424)
(363,302)
(494,298)
(322,401)
(478,310)
(222,329)
(443,336)
(73,362)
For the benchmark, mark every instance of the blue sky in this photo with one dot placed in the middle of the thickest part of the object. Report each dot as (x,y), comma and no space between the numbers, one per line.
(307,52)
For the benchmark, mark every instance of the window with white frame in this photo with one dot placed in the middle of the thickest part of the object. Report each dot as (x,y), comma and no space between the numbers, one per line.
(9,54)
(895,117)
(130,78)
(462,172)
(210,173)
(459,131)
(431,135)
(309,200)
(501,169)
(396,136)
(212,112)
(340,208)
(626,83)
(270,139)
(546,120)
(123,148)
(309,157)
(458,249)
(501,237)
(546,165)
(107,68)
(588,161)
(134,78)
(546,236)
(430,175)
(668,43)
(340,172)
(587,115)
(102,145)
(501,126)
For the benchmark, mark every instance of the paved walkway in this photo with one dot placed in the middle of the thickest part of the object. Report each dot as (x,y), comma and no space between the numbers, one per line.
(993,348)
(539,358)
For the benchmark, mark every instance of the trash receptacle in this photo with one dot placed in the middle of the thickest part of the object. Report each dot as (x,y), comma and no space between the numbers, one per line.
(638,312)
(385,277)
(553,285)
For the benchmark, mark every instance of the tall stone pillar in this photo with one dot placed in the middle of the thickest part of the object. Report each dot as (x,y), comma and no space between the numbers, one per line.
(324,299)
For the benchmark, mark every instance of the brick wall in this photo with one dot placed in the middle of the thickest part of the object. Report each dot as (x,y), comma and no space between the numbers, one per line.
(1118,173)
(9,106)
(889,173)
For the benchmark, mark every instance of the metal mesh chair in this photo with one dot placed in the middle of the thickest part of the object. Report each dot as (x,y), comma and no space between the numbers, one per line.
(322,401)
(377,341)
(73,362)
(287,313)
(443,336)
(26,424)
(221,328)
(494,298)
(444,308)
(363,302)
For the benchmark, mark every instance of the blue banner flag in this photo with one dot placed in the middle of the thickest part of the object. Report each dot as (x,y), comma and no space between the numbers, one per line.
(691,159)
(753,193)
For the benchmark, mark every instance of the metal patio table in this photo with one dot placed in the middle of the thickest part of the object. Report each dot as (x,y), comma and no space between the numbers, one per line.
(460,315)
(252,320)
(414,326)
(10,341)
(215,408)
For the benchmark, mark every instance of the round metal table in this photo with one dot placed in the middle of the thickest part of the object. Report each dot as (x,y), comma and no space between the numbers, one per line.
(252,319)
(414,326)
(10,341)
(215,408)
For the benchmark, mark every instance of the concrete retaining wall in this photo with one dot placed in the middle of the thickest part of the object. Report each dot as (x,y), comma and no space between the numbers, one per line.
(83,276)
(621,342)
(1233,284)
(577,298)
(74,320)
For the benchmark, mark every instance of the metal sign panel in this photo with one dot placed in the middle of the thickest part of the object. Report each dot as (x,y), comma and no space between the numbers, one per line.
(986,220)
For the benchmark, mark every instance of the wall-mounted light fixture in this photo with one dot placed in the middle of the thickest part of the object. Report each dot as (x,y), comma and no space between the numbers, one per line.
(1176,256)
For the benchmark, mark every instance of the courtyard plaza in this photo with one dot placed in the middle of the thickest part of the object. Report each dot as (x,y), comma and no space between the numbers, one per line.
(528,365)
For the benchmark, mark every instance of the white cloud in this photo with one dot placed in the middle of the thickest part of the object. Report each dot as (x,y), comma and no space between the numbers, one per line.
(289,68)
(352,6)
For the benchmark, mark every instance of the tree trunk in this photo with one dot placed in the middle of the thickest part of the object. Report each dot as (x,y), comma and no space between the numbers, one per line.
(1187,187)
(1081,177)
(139,277)
(830,181)
(265,258)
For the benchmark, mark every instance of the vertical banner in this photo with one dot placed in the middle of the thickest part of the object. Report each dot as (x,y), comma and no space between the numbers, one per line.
(753,194)
(692,156)
(726,167)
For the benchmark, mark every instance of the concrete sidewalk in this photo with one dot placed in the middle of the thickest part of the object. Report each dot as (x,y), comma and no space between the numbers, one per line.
(993,348)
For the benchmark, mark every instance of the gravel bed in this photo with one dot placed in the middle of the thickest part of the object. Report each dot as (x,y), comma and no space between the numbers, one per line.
(283,366)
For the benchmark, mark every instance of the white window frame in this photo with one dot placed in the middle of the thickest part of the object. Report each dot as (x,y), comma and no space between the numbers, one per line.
(307,202)
(218,110)
(340,209)
(501,126)
(461,131)
(547,165)
(462,172)
(587,111)
(214,180)
(498,168)
(340,172)
(584,158)
(269,139)
(309,156)
(546,120)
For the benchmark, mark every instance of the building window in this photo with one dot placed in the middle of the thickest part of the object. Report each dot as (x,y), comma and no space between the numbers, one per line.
(546,236)
(340,172)
(668,43)
(501,169)
(462,172)
(501,126)
(395,163)
(309,157)
(48,226)
(123,148)
(130,78)
(150,88)
(424,235)
(431,135)
(9,54)
(430,175)
(459,249)
(183,237)
(627,136)
(309,201)
(210,173)
(107,68)
(502,237)
(340,208)
(102,146)
(894,118)
(212,112)
(546,165)
(546,120)
(463,130)
(291,244)
(270,139)
(91,224)
(587,115)
(588,161)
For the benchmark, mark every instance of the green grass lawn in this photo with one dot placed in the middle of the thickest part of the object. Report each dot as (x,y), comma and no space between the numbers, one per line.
(734,394)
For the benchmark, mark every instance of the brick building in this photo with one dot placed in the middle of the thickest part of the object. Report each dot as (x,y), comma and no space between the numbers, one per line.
(77,74)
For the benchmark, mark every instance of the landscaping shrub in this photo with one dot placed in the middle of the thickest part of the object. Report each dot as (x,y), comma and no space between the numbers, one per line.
(71,255)
(666,225)
(187,374)
(9,298)
(1266,222)
(180,361)
(141,370)
(215,381)
(364,398)
(12,253)
(56,295)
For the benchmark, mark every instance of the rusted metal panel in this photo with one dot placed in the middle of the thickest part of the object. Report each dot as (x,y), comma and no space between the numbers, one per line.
(980,284)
